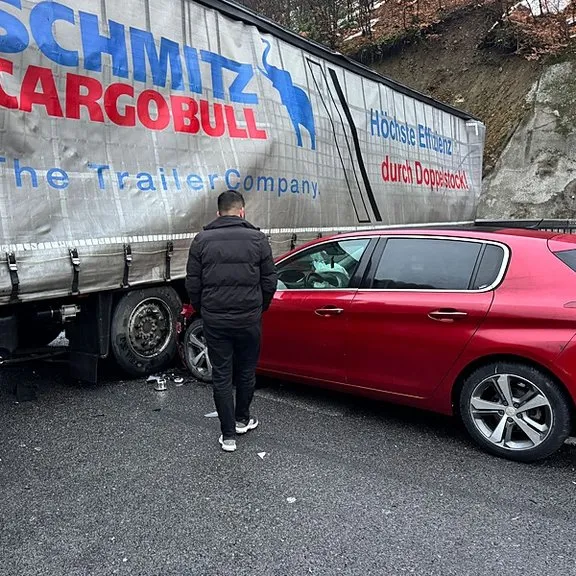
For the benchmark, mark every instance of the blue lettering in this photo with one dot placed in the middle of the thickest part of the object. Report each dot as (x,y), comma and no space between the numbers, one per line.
(244,74)
(100,169)
(57,179)
(374,121)
(176,179)
(237,94)
(94,45)
(195,182)
(18,171)
(193,68)
(216,64)
(282,186)
(143,45)
(230,172)
(42,18)
(145,182)
(121,179)
(421,136)
(248,183)
(15,38)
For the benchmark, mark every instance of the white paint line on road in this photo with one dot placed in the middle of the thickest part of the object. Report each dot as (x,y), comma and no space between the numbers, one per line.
(268,395)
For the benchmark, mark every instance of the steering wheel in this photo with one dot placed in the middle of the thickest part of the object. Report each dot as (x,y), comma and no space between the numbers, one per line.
(328,277)
(292,278)
(312,278)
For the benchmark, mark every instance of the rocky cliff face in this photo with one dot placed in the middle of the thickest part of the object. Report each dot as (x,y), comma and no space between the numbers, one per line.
(535,176)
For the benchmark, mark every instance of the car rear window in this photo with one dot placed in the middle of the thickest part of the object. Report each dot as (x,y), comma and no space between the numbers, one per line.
(426,264)
(568,257)
(489,268)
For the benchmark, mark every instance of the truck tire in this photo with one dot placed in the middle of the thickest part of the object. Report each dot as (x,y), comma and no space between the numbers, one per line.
(143,331)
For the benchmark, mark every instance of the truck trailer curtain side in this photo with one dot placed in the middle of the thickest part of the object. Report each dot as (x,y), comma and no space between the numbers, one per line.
(123,121)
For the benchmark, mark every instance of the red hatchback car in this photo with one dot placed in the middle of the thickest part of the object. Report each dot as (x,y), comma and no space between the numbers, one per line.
(480,323)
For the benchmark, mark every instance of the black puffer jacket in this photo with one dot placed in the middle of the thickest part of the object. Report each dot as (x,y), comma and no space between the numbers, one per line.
(231,277)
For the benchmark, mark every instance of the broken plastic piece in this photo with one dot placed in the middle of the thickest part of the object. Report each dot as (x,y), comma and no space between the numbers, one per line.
(160,385)
(211,415)
(262,454)
(178,380)
(291,500)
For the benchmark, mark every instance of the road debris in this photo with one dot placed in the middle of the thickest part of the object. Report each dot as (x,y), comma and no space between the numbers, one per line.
(211,415)
(160,385)
(262,454)
(291,500)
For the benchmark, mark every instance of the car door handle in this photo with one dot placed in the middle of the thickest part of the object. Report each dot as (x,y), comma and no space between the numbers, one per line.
(447,315)
(328,311)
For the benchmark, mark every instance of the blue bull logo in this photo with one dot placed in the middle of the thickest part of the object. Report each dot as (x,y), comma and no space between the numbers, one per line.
(294,99)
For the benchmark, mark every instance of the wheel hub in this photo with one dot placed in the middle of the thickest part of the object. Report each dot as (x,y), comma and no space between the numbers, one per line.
(150,327)
(511,412)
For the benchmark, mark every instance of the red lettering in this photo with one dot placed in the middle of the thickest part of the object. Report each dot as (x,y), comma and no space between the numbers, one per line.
(418,167)
(386,169)
(233,129)
(6,100)
(253,130)
(47,97)
(111,96)
(185,114)
(163,112)
(219,127)
(75,99)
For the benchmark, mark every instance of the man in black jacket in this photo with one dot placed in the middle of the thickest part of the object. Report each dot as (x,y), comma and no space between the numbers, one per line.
(231,279)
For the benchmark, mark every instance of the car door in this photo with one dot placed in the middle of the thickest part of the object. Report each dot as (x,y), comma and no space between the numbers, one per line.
(304,331)
(422,301)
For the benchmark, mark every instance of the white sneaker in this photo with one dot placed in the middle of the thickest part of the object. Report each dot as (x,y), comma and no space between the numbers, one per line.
(242,428)
(227,445)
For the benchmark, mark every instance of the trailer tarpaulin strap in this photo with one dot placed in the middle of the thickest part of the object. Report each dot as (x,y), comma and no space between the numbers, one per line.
(13,268)
(127,264)
(169,254)
(75,260)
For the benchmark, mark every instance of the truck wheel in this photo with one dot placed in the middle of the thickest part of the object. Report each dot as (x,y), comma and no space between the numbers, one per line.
(196,352)
(143,331)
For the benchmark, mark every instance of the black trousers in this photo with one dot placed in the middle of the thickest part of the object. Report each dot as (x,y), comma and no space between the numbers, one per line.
(234,354)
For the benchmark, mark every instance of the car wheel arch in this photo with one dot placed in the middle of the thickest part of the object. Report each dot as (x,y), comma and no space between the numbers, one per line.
(494,359)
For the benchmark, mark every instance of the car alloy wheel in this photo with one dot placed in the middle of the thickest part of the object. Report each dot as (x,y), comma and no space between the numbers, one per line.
(511,412)
(515,410)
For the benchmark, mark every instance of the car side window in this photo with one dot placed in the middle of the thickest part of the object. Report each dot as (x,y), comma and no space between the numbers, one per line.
(426,264)
(489,268)
(327,266)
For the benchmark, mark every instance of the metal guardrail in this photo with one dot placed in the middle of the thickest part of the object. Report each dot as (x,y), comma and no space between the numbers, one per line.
(545,224)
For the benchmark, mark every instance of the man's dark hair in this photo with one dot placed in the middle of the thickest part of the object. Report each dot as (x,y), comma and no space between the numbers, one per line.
(230,200)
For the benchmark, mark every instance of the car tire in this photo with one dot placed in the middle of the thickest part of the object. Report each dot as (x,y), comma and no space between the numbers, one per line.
(143,330)
(196,352)
(515,411)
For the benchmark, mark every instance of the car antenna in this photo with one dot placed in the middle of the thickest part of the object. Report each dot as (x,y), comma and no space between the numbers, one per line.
(537,225)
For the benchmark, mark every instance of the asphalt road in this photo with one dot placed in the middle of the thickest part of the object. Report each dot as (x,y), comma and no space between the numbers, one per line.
(120,479)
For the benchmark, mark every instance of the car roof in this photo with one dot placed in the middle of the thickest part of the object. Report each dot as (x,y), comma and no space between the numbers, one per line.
(476,232)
